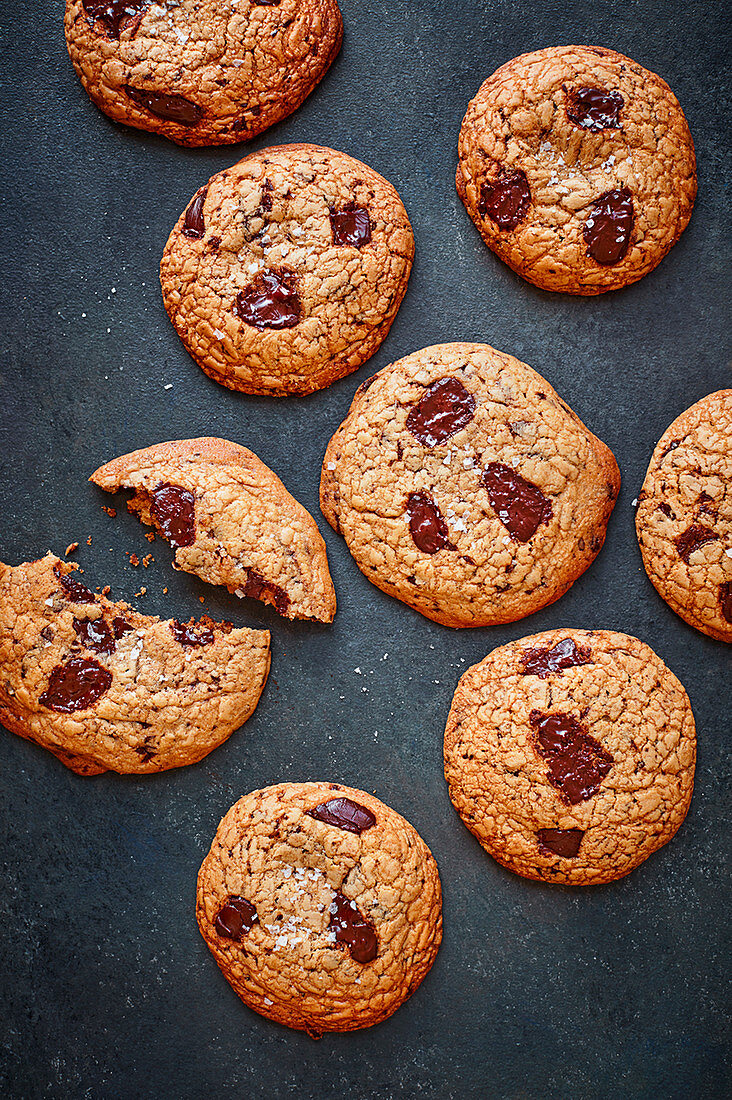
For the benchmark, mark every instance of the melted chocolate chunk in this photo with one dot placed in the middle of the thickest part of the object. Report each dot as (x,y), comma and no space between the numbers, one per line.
(426,525)
(542,662)
(193,224)
(691,539)
(725,600)
(96,635)
(113,14)
(577,762)
(235,917)
(173,510)
(172,108)
(506,200)
(562,842)
(353,929)
(192,633)
(75,685)
(270,301)
(608,228)
(445,408)
(351,225)
(665,508)
(594,108)
(344,814)
(120,626)
(259,588)
(74,590)
(520,505)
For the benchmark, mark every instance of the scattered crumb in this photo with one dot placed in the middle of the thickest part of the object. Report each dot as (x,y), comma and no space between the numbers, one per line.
(111,512)
(106,590)
(88,540)
(147,559)
(165,591)
(70,548)
(201,599)
(142,591)
(150,536)
(134,560)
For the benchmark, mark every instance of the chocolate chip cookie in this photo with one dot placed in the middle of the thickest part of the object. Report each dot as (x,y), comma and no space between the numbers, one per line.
(465,486)
(321,905)
(201,72)
(286,271)
(103,687)
(230,521)
(577,167)
(684,517)
(570,755)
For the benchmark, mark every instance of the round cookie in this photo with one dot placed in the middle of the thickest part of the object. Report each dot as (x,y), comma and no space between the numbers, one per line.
(464,486)
(321,905)
(201,72)
(570,755)
(684,517)
(577,167)
(285,272)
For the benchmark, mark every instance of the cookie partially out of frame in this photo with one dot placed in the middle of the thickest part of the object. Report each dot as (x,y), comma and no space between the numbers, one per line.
(464,486)
(684,517)
(103,687)
(201,72)
(577,166)
(570,755)
(230,521)
(321,905)
(285,272)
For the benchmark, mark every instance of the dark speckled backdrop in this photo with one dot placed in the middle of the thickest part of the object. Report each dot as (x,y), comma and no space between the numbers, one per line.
(538,993)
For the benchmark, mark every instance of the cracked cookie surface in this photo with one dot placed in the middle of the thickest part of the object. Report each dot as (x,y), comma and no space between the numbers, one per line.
(103,687)
(321,905)
(201,72)
(570,755)
(684,517)
(464,486)
(285,272)
(230,521)
(577,167)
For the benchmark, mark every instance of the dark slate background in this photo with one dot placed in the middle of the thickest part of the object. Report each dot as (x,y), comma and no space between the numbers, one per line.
(538,993)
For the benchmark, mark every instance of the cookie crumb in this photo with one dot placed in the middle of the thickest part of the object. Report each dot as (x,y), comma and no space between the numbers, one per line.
(111,512)
(70,548)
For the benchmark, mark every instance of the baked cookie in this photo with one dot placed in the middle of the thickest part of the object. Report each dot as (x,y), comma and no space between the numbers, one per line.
(684,517)
(286,271)
(570,755)
(577,167)
(465,486)
(103,687)
(321,905)
(201,72)
(230,521)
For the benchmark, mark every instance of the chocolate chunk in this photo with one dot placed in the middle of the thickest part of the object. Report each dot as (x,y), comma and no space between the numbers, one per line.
(74,590)
(665,508)
(506,200)
(351,225)
(172,108)
(75,685)
(692,538)
(47,633)
(344,814)
(671,447)
(577,762)
(426,525)
(96,635)
(594,108)
(270,301)
(114,14)
(725,600)
(353,929)
(120,626)
(445,408)
(259,588)
(608,227)
(562,842)
(235,917)
(191,633)
(520,505)
(173,510)
(267,192)
(542,662)
(193,224)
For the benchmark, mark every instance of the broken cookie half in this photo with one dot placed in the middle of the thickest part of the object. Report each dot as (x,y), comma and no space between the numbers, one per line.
(230,520)
(103,687)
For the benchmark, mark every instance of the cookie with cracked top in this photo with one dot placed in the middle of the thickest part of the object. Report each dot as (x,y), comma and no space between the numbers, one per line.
(230,521)
(570,755)
(201,72)
(684,517)
(103,687)
(577,167)
(321,905)
(464,486)
(285,272)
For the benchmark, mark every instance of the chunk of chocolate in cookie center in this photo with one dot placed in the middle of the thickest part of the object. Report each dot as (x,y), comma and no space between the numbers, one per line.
(506,200)
(609,226)
(270,301)
(520,505)
(594,108)
(345,814)
(446,407)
